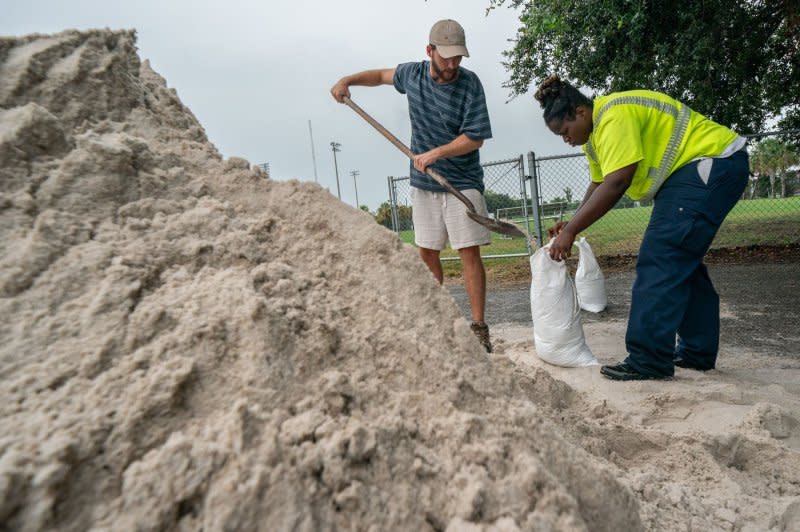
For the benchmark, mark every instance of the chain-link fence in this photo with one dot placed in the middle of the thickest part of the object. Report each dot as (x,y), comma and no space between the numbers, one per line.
(767,214)
(506,197)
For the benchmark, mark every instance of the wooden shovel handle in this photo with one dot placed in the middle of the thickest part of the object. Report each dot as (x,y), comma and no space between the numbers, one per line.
(403,148)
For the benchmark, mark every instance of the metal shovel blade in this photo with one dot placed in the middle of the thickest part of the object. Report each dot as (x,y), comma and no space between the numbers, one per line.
(497,226)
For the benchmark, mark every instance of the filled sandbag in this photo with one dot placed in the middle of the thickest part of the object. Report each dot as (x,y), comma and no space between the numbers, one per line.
(589,280)
(557,327)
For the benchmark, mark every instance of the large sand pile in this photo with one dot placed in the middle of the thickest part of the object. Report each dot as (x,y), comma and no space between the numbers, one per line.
(188,345)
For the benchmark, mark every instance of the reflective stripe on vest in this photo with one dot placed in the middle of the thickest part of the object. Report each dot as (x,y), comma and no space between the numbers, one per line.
(682,116)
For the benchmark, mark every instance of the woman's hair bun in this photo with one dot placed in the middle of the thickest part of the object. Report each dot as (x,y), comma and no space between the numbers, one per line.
(549,89)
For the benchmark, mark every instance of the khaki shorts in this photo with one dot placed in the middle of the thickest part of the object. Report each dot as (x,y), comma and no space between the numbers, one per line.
(439,215)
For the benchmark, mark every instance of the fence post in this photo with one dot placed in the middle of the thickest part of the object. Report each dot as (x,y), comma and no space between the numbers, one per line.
(393,204)
(535,199)
(524,195)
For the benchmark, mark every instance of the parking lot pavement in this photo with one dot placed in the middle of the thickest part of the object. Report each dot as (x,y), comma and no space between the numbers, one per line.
(760,305)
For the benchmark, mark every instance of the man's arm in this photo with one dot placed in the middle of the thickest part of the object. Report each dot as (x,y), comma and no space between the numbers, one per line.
(460,145)
(367,78)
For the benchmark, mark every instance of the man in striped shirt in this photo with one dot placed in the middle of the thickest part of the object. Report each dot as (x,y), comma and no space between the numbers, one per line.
(449,122)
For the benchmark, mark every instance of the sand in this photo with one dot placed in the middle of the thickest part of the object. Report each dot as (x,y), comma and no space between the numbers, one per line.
(188,345)
(714,450)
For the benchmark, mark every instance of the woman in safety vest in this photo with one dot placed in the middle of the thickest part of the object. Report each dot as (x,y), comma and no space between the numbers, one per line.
(651,146)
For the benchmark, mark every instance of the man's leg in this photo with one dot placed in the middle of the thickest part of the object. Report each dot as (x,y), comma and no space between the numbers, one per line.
(431,259)
(430,233)
(474,280)
(475,284)
(467,236)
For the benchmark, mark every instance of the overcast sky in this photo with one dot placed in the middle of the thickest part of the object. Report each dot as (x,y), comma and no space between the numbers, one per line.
(255,73)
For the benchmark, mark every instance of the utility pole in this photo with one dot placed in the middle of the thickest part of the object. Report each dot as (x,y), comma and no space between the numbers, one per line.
(355,173)
(313,158)
(335,147)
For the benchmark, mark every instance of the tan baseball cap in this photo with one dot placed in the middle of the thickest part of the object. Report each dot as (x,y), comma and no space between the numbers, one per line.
(448,36)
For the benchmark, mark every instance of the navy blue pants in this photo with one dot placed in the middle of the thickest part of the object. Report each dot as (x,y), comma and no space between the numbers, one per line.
(674,307)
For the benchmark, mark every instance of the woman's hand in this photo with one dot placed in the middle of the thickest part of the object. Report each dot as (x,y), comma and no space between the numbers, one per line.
(561,246)
(553,231)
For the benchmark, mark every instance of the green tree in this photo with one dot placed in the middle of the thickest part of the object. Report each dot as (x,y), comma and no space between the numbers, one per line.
(384,216)
(772,158)
(495,200)
(568,195)
(735,61)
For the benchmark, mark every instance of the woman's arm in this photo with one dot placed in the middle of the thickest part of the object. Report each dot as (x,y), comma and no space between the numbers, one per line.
(597,201)
(553,231)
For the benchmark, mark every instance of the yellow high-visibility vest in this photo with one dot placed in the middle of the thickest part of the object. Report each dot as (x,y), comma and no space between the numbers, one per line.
(654,130)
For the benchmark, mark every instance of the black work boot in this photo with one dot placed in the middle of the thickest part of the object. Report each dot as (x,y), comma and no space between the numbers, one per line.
(624,372)
(481,331)
(689,364)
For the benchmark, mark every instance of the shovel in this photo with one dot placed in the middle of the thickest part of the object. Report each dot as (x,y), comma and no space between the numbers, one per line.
(497,226)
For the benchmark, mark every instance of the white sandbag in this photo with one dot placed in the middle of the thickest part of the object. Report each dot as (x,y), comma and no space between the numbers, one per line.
(589,280)
(557,328)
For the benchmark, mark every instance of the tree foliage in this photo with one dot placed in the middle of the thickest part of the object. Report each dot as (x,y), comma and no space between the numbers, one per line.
(771,159)
(497,200)
(384,216)
(735,61)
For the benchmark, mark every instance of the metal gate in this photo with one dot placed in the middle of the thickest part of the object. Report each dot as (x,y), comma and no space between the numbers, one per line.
(506,198)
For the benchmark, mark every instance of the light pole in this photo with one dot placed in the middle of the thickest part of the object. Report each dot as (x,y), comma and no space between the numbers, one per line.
(354,173)
(313,157)
(335,147)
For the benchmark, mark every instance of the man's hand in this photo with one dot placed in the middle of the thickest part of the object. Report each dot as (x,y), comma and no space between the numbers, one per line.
(561,247)
(424,160)
(340,90)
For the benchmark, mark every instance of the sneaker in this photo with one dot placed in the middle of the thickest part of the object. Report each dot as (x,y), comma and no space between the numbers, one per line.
(685,363)
(481,331)
(624,372)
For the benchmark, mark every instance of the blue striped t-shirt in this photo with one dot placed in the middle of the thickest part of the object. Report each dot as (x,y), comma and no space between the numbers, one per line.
(440,113)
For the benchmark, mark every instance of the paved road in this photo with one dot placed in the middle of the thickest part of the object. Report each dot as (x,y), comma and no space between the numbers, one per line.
(760,304)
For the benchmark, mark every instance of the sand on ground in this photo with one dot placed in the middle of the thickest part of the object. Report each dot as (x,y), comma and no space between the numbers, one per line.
(705,439)
(187,344)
